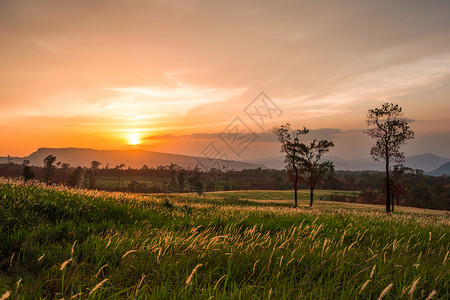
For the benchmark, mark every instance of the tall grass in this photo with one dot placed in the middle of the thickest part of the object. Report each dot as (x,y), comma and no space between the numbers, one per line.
(64,243)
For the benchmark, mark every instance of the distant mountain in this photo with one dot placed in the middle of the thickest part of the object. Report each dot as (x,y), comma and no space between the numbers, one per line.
(339,163)
(270,162)
(131,158)
(425,162)
(442,170)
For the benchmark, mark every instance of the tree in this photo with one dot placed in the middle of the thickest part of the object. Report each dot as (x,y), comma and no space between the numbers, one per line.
(75,177)
(194,183)
(27,173)
(119,169)
(390,130)
(291,146)
(399,183)
(309,163)
(93,172)
(49,168)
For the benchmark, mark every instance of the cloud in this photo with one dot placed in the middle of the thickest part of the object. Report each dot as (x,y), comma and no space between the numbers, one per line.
(177,68)
(263,137)
(161,137)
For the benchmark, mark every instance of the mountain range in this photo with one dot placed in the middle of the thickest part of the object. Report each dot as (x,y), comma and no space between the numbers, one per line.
(430,163)
(442,170)
(427,162)
(131,158)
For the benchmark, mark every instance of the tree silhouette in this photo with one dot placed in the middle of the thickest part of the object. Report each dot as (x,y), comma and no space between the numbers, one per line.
(301,158)
(309,163)
(49,168)
(119,169)
(291,146)
(27,173)
(93,172)
(75,177)
(390,131)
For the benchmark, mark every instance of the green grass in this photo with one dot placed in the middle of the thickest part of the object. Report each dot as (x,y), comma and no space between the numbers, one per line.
(278,195)
(112,181)
(59,243)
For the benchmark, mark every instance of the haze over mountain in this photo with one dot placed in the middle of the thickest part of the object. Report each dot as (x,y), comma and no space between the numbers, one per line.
(137,158)
(426,162)
(131,158)
(442,170)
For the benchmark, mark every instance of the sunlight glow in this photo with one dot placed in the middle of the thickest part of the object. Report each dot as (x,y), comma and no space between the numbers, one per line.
(133,139)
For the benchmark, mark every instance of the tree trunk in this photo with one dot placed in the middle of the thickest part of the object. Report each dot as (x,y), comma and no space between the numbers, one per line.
(295,187)
(311,189)
(388,185)
(392,201)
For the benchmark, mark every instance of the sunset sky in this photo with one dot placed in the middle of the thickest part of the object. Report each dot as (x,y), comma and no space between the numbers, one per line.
(171,76)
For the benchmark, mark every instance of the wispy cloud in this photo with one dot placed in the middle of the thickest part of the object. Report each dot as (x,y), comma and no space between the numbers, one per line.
(391,81)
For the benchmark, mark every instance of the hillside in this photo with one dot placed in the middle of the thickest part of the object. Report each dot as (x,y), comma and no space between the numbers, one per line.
(426,162)
(80,244)
(442,170)
(131,158)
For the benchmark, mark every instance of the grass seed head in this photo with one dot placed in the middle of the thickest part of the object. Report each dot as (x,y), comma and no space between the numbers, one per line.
(188,281)
(364,286)
(373,271)
(98,286)
(131,251)
(431,295)
(385,291)
(64,264)
(5,295)
(413,287)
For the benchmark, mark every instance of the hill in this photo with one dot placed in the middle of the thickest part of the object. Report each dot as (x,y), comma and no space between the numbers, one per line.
(65,243)
(442,170)
(426,162)
(131,158)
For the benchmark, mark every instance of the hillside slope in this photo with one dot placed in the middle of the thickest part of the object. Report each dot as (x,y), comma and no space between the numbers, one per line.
(442,170)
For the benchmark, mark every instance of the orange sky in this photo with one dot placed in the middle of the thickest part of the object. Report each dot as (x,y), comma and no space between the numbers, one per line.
(172,75)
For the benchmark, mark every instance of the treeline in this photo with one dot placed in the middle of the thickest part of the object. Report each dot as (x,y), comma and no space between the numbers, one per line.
(408,187)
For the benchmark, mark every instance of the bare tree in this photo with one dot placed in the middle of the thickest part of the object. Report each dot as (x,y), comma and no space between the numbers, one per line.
(391,130)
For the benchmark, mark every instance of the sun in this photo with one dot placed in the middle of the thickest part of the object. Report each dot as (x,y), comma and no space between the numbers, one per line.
(133,139)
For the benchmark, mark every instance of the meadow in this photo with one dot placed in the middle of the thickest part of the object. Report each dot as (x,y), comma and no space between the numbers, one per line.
(61,243)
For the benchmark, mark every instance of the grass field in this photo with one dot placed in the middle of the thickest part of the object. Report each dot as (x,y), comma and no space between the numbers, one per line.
(285,195)
(112,181)
(76,244)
